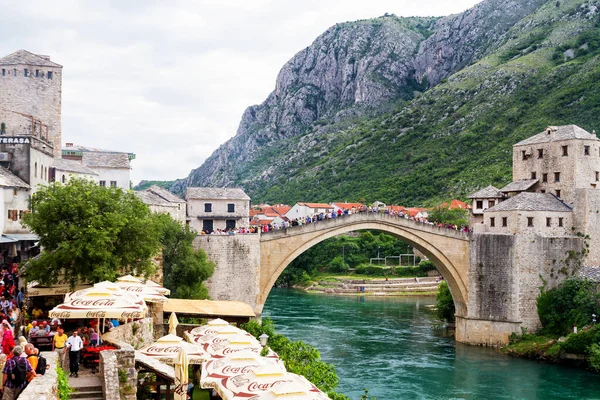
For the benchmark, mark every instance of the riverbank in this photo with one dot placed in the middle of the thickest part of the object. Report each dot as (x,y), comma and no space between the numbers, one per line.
(369,286)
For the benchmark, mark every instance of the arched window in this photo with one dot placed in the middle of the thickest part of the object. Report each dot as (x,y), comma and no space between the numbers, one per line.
(35,170)
(63,178)
(42,171)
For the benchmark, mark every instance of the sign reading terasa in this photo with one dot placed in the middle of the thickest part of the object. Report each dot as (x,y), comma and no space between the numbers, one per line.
(14,140)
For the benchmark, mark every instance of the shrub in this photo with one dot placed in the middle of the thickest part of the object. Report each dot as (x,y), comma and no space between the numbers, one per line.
(579,343)
(571,303)
(595,357)
(338,265)
(445,303)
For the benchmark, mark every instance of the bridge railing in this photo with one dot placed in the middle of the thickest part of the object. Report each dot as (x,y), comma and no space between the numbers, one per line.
(368,217)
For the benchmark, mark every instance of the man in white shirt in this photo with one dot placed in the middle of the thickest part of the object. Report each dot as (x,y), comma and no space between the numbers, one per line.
(74,344)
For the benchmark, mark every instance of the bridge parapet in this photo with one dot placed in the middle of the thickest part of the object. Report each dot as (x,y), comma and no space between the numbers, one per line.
(360,218)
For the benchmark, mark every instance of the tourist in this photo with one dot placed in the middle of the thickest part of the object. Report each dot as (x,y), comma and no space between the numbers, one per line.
(8,340)
(37,313)
(33,331)
(21,297)
(59,342)
(74,344)
(94,337)
(12,383)
(32,357)
(5,304)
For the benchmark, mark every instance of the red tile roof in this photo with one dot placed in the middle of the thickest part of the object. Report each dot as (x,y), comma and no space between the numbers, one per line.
(316,205)
(348,206)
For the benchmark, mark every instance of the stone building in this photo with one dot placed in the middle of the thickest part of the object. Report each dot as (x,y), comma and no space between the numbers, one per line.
(482,200)
(162,201)
(301,210)
(210,209)
(31,93)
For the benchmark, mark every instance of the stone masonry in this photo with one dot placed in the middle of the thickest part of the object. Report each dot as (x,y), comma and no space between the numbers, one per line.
(31,84)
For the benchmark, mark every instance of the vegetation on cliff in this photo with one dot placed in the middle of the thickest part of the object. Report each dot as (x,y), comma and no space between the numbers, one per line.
(573,303)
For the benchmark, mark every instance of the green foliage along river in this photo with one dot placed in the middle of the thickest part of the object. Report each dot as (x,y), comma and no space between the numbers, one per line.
(391,346)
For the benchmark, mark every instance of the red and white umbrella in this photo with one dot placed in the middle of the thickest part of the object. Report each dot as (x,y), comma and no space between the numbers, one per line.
(146,288)
(236,344)
(166,349)
(216,334)
(98,302)
(299,389)
(217,369)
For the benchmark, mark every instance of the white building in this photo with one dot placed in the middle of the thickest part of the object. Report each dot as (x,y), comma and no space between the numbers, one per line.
(162,201)
(64,170)
(302,210)
(113,167)
(211,209)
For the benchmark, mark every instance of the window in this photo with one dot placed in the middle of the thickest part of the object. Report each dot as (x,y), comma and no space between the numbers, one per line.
(113,184)
(35,170)
(229,224)
(37,73)
(478,204)
(492,222)
(548,221)
(230,207)
(524,155)
(544,178)
(540,153)
(3,72)
(565,150)
(491,203)
(560,222)
(14,72)
(15,192)
(207,207)
(533,175)
(543,191)
(530,222)
(504,222)
(63,179)
(207,226)
(586,150)
(557,177)
(21,212)
(49,74)
(597,176)
(557,193)
(102,183)
(25,72)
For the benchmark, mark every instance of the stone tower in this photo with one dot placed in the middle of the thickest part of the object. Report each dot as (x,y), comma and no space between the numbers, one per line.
(31,97)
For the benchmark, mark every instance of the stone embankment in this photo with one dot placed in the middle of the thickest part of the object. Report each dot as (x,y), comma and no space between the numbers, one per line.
(378,287)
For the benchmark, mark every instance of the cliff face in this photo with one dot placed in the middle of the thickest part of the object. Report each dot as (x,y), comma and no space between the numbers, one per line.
(357,68)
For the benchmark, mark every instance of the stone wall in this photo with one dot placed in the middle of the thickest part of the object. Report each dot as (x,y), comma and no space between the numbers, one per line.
(43,387)
(118,374)
(137,334)
(237,270)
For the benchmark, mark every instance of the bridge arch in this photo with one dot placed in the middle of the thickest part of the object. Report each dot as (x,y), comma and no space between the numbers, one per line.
(447,249)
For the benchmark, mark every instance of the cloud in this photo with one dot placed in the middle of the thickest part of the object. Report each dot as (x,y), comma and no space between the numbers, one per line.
(170,80)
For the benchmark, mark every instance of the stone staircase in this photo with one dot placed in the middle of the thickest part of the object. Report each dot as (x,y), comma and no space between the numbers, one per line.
(379,286)
(86,388)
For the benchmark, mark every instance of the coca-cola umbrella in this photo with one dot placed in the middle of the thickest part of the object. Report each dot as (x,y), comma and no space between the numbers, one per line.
(217,369)
(134,281)
(167,348)
(181,375)
(215,334)
(97,302)
(235,344)
(298,389)
(262,380)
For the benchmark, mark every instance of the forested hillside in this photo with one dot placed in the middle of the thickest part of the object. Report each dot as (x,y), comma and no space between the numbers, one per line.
(443,141)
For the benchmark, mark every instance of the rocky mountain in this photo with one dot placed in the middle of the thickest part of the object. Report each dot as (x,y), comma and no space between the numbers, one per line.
(406,109)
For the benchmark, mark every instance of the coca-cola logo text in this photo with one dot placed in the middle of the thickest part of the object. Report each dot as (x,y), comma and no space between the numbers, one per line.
(133,289)
(168,349)
(61,314)
(95,314)
(130,314)
(228,369)
(94,303)
(256,387)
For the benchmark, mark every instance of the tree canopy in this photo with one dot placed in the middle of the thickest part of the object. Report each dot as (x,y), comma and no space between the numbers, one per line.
(184,268)
(90,233)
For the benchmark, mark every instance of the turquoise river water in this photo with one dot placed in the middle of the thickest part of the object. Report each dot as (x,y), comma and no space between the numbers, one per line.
(392,346)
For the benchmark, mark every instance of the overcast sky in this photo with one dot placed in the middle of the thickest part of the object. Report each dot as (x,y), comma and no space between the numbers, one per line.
(169,80)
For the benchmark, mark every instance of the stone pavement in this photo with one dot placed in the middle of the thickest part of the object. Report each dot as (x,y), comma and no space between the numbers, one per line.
(87,386)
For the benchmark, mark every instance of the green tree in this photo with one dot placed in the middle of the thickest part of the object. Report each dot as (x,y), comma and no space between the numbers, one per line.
(445,303)
(444,215)
(184,268)
(90,233)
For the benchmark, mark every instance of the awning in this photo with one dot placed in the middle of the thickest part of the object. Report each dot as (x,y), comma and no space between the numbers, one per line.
(209,308)
(22,236)
(6,239)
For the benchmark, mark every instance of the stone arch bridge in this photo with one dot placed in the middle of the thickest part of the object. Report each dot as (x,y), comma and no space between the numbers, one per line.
(448,249)
(494,278)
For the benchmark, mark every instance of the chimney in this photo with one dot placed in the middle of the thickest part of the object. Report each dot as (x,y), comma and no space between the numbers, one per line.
(69,144)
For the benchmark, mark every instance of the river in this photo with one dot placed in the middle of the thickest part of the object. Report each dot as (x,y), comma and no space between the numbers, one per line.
(391,345)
